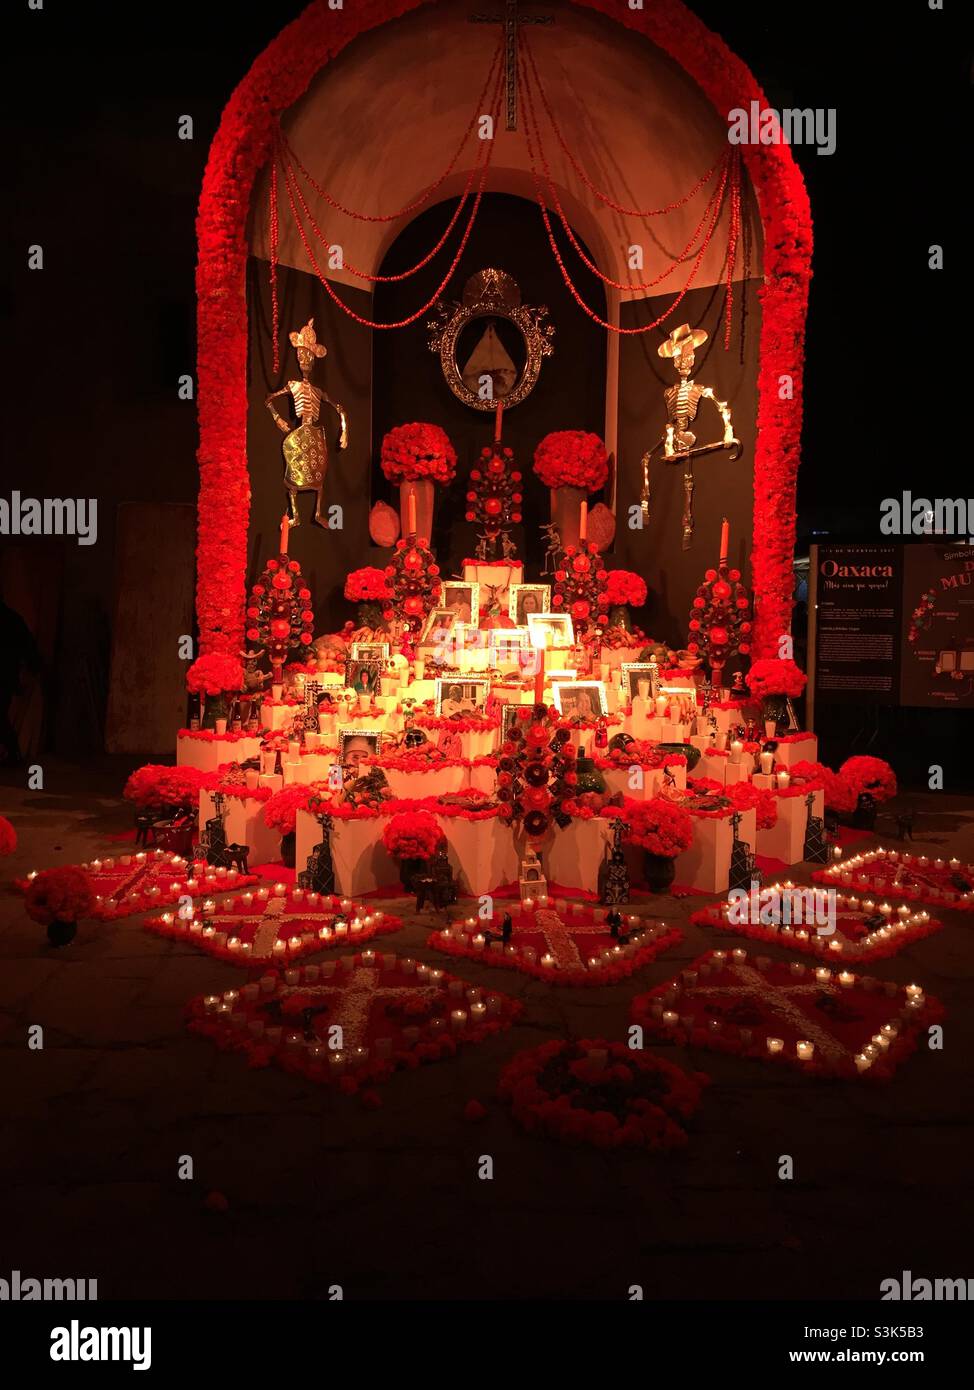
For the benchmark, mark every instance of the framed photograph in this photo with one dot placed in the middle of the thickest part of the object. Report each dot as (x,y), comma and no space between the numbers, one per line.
(370,651)
(439,620)
(640,678)
(509,638)
(524,599)
(463,598)
(461,696)
(363,676)
(580,699)
(509,719)
(551,629)
(354,745)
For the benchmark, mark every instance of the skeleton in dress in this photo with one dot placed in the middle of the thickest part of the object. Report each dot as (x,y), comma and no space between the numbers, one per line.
(306,447)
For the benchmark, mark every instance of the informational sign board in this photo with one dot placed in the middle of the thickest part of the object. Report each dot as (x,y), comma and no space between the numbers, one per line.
(893,624)
(857,590)
(937,649)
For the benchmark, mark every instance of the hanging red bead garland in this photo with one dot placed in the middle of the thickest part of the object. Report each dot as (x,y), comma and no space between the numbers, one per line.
(720,617)
(424,197)
(533,139)
(279,614)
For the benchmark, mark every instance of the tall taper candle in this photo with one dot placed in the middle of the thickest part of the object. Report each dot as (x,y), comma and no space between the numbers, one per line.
(411,513)
(583,522)
(724,541)
(285,528)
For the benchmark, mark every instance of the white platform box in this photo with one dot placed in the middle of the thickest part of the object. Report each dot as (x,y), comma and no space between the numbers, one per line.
(706,864)
(439,781)
(786,838)
(802,750)
(481,853)
(209,754)
(615,656)
(277,717)
(482,778)
(719,768)
(574,854)
(617,779)
(244,822)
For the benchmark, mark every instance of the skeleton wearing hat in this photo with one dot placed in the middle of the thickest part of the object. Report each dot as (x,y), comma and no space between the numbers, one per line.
(679,444)
(306,447)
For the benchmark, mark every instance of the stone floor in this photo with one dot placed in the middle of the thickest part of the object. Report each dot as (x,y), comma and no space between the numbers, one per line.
(387,1203)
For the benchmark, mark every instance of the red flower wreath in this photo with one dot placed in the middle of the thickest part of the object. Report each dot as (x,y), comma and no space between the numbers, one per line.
(658,826)
(772,676)
(870,775)
(367,585)
(8,837)
(572,458)
(281,811)
(214,673)
(623,587)
(60,895)
(412,835)
(412,453)
(629,1099)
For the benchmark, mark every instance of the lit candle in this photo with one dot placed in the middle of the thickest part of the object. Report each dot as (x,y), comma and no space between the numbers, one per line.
(767,763)
(847,979)
(805,1050)
(736,749)
(775,1045)
(458,1020)
(411,512)
(724,540)
(863,1063)
(548,961)
(914,992)
(823,975)
(662,705)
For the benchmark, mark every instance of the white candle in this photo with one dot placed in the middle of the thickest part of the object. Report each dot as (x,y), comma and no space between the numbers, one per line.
(736,749)
(784,780)
(775,1045)
(847,979)
(805,1050)
(767,763)
(662,704)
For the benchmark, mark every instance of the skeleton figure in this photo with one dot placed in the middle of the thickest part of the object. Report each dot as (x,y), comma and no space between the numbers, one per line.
(679,444)
(306,447)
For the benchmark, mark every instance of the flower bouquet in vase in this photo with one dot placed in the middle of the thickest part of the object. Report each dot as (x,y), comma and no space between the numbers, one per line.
(213,677)
(412,838)
(573,464)
(776,682)
(662,830)
(415,457)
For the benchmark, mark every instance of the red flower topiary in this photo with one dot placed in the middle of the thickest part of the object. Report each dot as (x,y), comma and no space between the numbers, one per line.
(623,587)
(412,835)
(367,585)
(281,811)
(572,458)
(214,674)
(413,453)
(658,826)
(870,775)
(157,785)
(772,676)
(60,895)
(8,837)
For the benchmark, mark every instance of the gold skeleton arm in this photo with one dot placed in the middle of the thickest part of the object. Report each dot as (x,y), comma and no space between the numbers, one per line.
(343,420)
(282,424)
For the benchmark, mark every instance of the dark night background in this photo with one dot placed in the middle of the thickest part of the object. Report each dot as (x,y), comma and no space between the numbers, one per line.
(97,341)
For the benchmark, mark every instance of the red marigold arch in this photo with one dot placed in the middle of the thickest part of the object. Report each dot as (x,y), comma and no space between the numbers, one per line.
(243,145)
